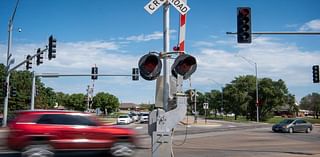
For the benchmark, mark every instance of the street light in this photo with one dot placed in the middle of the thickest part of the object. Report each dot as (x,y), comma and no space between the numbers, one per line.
(9,62)
(256,71)
(221,89)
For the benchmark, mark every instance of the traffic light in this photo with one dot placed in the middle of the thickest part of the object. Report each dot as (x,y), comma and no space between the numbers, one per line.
(184,65)
(244,24)
(13,92)
(150,66)
(315,72)
(135,74)
(52,47)
(39,57)
(37,91)
(94,72)
(29,62)
(4,88)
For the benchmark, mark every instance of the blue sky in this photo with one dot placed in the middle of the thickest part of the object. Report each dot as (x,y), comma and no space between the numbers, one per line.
(115,34)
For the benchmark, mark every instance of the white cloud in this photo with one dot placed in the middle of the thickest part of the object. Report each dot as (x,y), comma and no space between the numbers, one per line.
(203,44)
(148,37)
(313,25)
(142,37)
(275,59)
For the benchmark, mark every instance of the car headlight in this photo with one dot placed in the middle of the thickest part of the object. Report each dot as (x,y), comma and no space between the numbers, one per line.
(284,126)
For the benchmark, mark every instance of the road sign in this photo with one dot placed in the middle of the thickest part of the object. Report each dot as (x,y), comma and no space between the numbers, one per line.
(153,5)
(205,106)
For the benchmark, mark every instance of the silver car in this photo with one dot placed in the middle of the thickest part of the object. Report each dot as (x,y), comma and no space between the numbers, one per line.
(293,125)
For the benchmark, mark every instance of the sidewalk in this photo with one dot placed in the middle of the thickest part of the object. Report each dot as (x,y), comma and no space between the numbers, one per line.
(189,120)
(3,135)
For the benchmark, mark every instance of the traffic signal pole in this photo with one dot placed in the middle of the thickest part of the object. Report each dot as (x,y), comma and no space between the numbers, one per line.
(33,90)
(6,98)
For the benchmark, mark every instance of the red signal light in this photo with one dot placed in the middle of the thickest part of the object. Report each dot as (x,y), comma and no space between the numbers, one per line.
(184,65)
(150,66)
(244,11)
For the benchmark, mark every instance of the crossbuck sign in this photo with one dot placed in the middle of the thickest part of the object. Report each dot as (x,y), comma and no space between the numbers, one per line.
(153,5)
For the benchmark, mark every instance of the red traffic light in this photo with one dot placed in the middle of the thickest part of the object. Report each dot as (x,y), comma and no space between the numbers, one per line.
(184,65)
(244,24)
(150,66)
(244,11)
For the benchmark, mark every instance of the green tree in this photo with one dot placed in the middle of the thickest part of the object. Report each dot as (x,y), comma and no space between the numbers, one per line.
(76,102)
(106,101)
(240,97)
(61,99)
(21,81)
(2,81)
(213,98)
(311,102)
(272,95)
(236,100)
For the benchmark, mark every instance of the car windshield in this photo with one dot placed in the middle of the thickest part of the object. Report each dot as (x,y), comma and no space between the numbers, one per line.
(145,114)
(287,121)
(123,116)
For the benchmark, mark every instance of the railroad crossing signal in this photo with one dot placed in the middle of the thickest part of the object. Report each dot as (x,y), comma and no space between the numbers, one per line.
(315,73)
(244,24)
(150,66)
(184,65)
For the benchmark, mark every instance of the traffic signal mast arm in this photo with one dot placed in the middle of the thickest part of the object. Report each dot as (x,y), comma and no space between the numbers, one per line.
(66,75)
(26,60)
(280,33)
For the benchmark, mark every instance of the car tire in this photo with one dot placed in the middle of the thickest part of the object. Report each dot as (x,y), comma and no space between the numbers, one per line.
(290,130)
(122,149)
(308,130)
(43,150)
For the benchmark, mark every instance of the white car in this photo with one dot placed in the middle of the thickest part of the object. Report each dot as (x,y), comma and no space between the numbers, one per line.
(124,119)
(135,117)
(144,117)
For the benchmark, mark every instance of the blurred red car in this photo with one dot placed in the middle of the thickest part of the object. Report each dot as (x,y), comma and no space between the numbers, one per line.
(46,132)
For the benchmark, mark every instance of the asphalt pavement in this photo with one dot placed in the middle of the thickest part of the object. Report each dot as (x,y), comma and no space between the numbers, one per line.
(222,139)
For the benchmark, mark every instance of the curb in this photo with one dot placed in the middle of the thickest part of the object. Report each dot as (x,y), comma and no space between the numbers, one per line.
(200,124)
